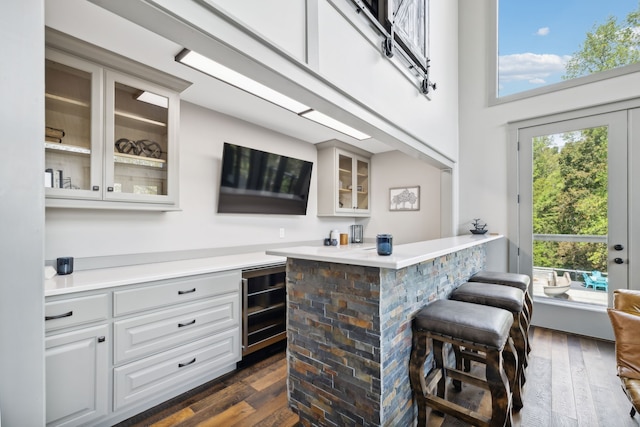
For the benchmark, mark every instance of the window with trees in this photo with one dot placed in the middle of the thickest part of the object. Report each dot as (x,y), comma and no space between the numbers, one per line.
(546,42)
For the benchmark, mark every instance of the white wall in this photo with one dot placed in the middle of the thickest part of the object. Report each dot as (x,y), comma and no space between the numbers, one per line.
(486,153)
(395,169)
(22,214)
(94,233)
(346,76)
(82,233)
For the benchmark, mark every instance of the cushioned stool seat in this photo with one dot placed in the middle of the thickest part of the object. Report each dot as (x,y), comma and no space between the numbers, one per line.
(507,298)
(474,326)
(516,280)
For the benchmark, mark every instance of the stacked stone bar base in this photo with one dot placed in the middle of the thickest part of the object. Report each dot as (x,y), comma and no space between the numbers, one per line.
(349,335)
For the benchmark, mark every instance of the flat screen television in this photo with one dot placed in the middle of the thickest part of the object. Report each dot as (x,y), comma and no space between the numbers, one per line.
(258,182)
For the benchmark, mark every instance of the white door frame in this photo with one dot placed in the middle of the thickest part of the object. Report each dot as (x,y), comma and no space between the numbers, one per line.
(619,117)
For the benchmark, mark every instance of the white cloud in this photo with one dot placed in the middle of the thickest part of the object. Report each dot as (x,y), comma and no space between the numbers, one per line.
(537,81)
(531,67)
(543,31)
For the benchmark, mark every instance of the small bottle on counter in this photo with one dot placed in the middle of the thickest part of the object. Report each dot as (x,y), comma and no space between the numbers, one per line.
(334,236)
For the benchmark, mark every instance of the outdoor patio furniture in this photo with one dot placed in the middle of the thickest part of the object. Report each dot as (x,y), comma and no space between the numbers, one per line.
(601,283)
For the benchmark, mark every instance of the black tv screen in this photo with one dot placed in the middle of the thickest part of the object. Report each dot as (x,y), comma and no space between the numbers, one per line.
(257,182)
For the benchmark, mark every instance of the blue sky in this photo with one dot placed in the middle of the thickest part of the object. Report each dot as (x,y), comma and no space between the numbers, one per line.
(537,37)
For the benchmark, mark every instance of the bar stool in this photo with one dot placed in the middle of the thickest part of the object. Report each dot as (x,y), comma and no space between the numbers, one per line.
(473,326)
(515,280)
(507,298)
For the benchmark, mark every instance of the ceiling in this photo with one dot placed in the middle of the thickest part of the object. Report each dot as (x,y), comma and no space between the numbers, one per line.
(100,27)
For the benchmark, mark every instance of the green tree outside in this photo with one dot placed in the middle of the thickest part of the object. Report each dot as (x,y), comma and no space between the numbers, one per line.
(570,179)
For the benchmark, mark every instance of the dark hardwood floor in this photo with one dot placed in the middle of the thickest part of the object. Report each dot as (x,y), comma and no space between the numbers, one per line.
(571,381)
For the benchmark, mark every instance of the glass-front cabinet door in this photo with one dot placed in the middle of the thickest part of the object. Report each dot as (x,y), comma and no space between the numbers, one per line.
(110,139)
(353,183)
(72,134)
(139,128)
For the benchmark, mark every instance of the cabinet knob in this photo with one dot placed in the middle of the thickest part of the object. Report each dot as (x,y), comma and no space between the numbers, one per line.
(110,189)
(95,188)
(101,339)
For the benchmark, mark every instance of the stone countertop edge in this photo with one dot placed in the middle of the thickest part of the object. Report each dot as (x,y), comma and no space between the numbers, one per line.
(102,278)
(403,255)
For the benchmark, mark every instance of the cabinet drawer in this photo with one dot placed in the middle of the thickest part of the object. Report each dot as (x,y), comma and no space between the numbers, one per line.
(146,378)
(175,292)
(75,311)
(143,335)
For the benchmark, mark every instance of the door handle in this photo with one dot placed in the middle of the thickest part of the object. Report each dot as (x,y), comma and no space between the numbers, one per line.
(618,260)
(618,247)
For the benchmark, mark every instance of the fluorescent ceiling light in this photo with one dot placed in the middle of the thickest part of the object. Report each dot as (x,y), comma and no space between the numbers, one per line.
(327,121)
(152,98)
(227,75)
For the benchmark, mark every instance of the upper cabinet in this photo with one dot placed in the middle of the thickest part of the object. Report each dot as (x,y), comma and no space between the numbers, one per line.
(343,181)
(111,139)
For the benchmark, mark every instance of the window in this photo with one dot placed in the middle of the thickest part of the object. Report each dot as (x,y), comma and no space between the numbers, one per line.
(409,21)
(546,42)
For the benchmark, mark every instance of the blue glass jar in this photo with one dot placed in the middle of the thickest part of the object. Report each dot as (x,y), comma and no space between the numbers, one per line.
(384,244)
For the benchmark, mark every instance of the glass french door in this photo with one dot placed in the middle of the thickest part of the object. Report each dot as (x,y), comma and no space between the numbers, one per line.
(573,219)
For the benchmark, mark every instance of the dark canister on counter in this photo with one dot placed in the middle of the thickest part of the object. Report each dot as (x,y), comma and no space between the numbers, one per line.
(384,244)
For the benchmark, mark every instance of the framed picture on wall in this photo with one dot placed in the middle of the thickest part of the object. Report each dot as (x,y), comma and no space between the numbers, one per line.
(404,198)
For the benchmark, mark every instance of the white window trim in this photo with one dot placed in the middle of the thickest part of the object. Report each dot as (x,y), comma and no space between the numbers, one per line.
(492,86)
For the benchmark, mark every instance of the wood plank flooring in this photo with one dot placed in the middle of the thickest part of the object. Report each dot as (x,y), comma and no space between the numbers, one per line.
(571,381)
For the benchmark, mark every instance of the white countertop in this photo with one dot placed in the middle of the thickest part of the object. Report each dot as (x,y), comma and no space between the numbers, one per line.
(109,277)
(403,255)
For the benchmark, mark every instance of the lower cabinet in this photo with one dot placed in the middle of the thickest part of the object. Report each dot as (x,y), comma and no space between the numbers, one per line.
(145,378)
(77,373)
(168,336)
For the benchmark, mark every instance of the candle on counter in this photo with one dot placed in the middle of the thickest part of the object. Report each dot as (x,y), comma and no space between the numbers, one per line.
(384,244)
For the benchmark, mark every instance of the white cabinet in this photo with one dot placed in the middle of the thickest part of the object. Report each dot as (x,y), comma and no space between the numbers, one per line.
(76,361)
(201,360)
(343,182)
(113,354)
(183,331)
(108,146)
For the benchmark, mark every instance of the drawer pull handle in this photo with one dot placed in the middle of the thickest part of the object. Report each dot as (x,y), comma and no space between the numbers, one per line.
(186,292)
(59,316)
(182,325)
(182,365)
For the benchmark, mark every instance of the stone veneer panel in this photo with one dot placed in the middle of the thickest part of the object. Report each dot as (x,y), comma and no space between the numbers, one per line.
(349,335)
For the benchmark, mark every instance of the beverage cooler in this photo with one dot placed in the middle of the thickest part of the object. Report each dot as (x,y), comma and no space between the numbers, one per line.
(264,308)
